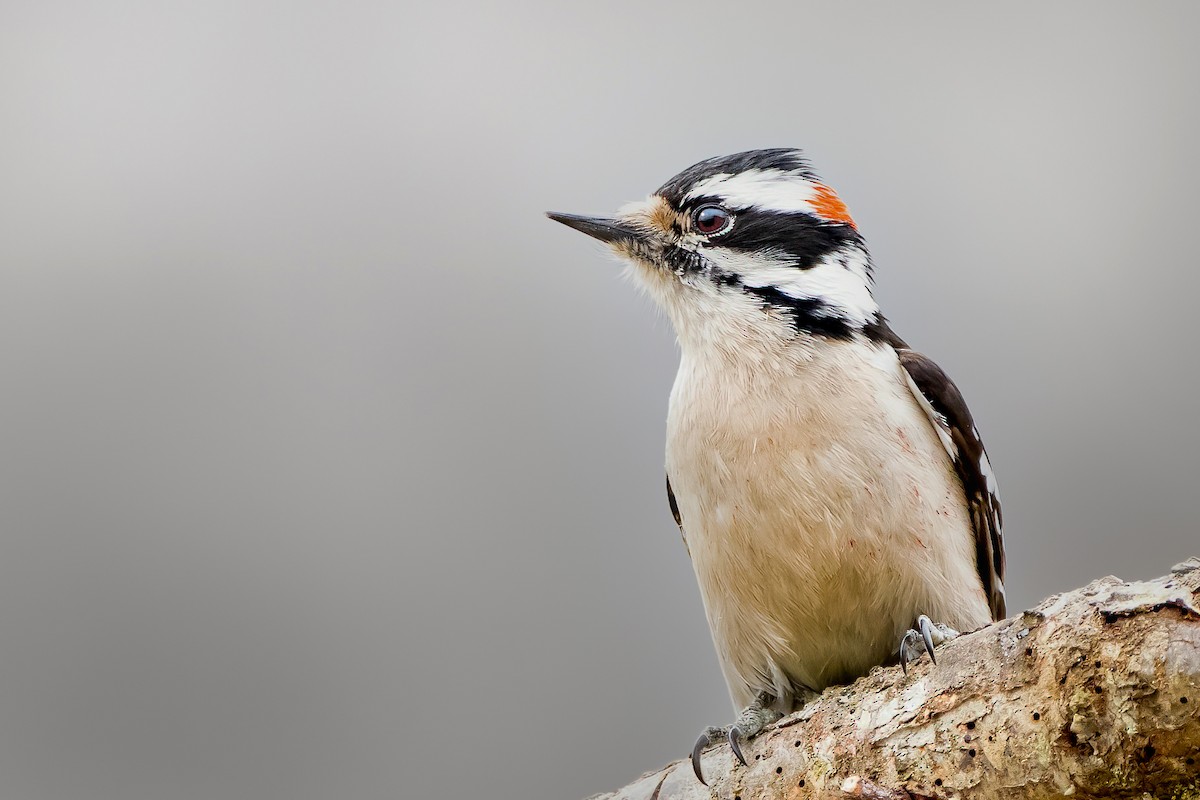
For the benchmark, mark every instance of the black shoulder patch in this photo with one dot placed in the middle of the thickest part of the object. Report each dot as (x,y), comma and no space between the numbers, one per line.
(878,330)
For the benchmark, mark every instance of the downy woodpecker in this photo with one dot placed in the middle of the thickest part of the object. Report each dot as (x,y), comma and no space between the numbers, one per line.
(830,484)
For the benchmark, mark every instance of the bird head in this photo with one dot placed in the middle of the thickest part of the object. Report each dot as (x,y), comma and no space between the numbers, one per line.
(747,245)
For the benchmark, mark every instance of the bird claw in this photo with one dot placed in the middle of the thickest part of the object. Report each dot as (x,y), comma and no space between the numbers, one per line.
(927,634)
(709,736)
(735,736)
(750,722)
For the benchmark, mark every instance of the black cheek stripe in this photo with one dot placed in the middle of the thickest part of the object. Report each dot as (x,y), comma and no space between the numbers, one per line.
(807,314)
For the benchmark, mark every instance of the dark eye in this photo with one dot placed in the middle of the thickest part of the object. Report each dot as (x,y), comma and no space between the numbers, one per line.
(712,219)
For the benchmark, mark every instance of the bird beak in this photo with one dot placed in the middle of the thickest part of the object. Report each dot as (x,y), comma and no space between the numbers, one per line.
(606,230)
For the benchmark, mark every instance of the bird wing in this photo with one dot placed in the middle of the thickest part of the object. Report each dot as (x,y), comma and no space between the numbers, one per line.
(675,513)
(951,418)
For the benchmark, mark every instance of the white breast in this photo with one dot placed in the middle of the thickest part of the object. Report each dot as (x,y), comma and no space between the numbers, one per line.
(821,512)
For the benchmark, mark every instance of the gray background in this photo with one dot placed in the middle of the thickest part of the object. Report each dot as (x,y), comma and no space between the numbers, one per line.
(330,468)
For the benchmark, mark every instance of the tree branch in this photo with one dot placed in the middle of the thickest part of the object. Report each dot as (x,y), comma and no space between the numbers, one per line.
(1095,693)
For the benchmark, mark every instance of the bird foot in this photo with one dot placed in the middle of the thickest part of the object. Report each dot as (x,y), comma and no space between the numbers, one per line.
(924,637)
(749,724)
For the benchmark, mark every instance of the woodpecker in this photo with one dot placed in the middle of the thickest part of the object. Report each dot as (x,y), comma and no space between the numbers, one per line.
(830,484)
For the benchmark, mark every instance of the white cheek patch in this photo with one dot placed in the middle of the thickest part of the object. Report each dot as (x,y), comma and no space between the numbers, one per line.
(766,189)
(858,262)
(837,287)
(841,282)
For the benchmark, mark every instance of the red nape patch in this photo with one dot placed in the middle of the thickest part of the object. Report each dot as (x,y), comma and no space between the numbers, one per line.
(828,205)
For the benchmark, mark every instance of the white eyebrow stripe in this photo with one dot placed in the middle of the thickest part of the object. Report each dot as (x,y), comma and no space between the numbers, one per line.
(767,189)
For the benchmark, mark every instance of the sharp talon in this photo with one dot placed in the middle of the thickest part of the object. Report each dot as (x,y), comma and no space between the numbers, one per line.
(735,737)
(927,634)
(904,655)
(697,748)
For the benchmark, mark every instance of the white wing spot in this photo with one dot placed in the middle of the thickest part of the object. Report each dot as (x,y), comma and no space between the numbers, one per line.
(985,467)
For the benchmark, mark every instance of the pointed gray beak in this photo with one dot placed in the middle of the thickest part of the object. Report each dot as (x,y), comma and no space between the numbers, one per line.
(602,228)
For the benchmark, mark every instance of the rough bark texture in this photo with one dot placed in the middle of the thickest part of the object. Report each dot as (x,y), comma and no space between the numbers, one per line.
(1095,693)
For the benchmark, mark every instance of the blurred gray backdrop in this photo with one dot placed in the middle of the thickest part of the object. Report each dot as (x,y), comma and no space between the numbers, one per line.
(330,468)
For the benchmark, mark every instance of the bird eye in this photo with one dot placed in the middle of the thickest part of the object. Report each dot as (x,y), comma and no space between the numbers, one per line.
(712,219)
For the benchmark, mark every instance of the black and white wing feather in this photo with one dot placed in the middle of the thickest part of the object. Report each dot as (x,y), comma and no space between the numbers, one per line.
(675,513)
(950,416)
